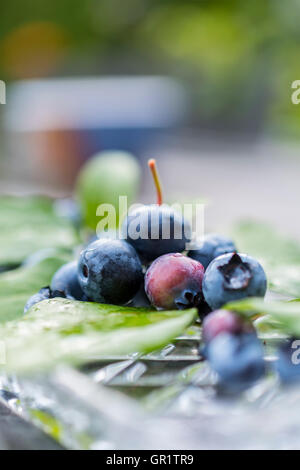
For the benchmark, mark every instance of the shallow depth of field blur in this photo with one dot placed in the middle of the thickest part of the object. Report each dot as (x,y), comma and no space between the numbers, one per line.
(204,87)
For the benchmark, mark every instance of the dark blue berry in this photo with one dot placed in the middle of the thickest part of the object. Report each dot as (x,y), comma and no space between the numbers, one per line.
(109,271)
(155,230)
(214,245)
(65,282)
(231,277)
(237,359)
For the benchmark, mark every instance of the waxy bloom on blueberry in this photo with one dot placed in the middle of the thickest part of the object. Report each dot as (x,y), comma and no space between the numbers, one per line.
(237,359)
(109,271)
(231,277)
(174,281)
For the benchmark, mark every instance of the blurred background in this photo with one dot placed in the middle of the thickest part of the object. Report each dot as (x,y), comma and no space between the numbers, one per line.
(205,87)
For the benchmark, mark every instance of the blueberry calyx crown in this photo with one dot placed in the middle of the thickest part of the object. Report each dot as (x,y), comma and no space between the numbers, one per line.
(53,293)
(236,273)
(188,299)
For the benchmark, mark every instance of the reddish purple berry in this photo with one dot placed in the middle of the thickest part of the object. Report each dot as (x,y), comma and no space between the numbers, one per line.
(174,281)
(224,321)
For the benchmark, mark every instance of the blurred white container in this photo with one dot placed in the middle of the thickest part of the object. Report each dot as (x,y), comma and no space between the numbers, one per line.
(54,125)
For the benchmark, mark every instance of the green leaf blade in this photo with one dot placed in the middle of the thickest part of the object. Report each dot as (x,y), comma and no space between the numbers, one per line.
(279,256)
(29,224)
(60,331)
(286,315)
(18,285)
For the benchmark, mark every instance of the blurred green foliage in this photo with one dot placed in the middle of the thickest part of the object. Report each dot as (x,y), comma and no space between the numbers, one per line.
(239,58)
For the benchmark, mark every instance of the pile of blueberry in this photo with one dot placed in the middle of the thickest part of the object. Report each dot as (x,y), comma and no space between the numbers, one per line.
(156,268)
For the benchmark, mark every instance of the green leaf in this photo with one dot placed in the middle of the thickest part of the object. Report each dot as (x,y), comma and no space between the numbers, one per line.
(279,256)
(285,316)
(18,285)
(269,328)
(29,224)
(65,331)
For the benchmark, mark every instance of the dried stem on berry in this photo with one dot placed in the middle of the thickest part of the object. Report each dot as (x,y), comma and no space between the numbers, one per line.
(153,169)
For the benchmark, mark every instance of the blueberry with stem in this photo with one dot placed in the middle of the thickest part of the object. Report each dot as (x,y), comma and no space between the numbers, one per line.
(156,229)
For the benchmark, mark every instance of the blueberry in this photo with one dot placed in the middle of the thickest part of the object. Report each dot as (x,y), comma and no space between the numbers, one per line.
(174,281)
(237,359)
(213,245)
(65,282)
(43,294)
(288,363)
(156,230)
(224,321)
(231,277)
(109,271)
